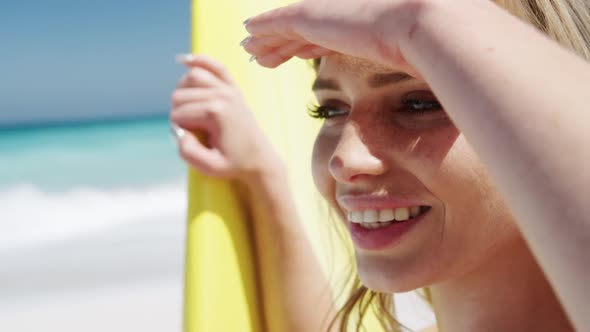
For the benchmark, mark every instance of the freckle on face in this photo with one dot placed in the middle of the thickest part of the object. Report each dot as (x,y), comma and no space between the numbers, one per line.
(471,220)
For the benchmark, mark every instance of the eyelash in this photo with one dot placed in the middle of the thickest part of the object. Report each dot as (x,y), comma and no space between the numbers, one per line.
(325,111)
(431,106)
(328,112)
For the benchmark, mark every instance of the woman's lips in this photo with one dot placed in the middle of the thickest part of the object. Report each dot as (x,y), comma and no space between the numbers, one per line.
(385,236)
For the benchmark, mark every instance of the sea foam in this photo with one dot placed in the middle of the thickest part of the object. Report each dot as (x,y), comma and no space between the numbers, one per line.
(30,216)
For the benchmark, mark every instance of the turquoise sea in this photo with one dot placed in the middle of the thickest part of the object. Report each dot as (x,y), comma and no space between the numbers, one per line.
(112,154)
(57,182)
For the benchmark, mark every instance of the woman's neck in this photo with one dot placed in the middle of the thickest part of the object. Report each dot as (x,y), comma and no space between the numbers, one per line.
(508,294)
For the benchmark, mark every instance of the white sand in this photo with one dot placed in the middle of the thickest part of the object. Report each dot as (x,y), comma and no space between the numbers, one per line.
(127,278)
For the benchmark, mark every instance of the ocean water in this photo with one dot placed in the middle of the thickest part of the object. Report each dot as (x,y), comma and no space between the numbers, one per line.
(67,181)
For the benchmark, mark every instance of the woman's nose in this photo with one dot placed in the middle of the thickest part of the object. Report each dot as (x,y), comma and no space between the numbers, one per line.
(353,159)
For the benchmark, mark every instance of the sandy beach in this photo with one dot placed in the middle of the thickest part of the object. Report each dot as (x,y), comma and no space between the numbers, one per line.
(126,278)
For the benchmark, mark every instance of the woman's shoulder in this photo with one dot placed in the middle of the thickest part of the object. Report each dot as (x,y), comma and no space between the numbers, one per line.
(432,328)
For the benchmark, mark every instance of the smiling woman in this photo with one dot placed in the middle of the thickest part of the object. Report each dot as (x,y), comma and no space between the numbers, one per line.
(430,154)
(384,154)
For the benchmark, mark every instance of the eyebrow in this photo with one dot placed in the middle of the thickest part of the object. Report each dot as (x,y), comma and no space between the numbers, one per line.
(323,84)
(375,81)
(380,80)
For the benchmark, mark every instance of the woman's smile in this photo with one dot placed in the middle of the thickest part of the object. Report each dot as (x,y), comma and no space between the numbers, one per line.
(377,222)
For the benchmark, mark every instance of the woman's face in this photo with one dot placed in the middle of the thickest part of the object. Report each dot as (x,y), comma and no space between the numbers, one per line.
(388,152)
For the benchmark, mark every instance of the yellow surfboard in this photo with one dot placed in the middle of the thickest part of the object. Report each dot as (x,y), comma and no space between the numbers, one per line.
(220,282)
(220,277)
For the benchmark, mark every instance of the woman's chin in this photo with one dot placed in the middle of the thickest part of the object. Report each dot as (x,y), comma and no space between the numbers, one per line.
(388,283)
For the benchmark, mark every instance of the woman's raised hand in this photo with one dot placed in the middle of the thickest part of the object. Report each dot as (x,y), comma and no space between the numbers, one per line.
(370,29)
(207,101)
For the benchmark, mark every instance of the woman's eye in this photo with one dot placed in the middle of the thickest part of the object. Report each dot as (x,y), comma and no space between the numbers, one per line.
(420,102)
(326,112)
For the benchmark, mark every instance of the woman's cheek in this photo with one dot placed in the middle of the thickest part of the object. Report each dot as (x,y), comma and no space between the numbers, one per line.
(323,149)
(464,185)
(428,154)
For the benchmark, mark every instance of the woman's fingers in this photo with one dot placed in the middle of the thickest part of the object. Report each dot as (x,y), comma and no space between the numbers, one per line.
(183,96)
(207,63)
(280,21)
(313,52)
(369,29)
(261,45)
(274,39)
(209,161)
(196,116)
(279,55)
(271,51)
(198,77)
(200,152)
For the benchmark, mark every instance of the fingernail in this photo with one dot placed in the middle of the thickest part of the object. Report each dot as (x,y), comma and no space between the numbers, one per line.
(252,58)
(243,42)
(246,21)
(184,58)
(177,132)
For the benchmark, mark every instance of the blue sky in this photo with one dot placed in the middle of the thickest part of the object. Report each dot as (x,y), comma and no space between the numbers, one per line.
(76,60)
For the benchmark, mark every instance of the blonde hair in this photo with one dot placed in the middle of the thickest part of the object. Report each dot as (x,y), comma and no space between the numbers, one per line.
(565,21)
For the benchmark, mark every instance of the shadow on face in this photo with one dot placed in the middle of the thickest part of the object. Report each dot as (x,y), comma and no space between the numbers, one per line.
(386,139)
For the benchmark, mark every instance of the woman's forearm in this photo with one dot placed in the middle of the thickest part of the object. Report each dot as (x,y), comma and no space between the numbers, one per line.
(523,104)
(296,294)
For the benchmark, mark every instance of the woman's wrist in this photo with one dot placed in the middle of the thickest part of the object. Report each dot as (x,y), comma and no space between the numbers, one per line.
(267,179)
(406,21)
(270,183)
(267,169)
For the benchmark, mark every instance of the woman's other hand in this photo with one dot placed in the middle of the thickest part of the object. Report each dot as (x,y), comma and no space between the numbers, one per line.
(221,137)
(370,29)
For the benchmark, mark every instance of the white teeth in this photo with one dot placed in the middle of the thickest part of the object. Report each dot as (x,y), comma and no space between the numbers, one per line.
(370,216)
(355,216)
(414,211)
(386,215)
(402,214)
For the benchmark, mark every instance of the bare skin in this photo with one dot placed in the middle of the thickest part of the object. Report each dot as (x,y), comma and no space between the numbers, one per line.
(468,249)
(495,91)
(208,102)
(509,252)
